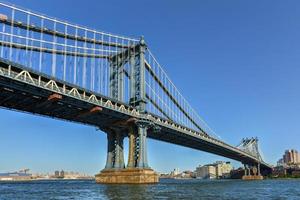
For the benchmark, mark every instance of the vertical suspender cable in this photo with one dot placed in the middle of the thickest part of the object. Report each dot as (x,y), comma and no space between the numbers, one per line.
(75,57)
(18,50)
(27,36)
(102,71)
(31,44)
(11,32)
(93,68)
(53,52)
(123,70)
(3,39)
(108,67)
(41,45)
(84,61)
(128,61)
(116,67)
(134,67)
(65,52)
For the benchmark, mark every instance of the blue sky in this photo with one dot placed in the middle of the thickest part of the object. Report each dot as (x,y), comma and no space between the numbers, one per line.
(237,62)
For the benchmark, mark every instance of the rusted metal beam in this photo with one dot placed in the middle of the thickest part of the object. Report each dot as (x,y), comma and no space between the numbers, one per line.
(54,97)
(86,113)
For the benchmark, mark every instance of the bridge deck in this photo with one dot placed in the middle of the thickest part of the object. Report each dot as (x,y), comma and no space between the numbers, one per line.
(24,90)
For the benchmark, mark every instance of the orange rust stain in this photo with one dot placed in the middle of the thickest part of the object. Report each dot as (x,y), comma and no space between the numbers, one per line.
(3,17)
(96,109)
(54,97)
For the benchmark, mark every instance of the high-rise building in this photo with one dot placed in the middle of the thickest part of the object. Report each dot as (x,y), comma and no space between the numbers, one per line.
(175,172)
(291,157)
(295,156)
(56,174)
(280,162)
(62,174)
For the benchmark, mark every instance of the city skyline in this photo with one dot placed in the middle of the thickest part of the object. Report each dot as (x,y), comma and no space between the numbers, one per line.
(80,148)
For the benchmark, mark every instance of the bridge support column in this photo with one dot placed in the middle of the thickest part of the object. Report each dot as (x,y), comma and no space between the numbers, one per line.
(110,151)
(119,153)
(138,170)
(249,171)
(255,170)
(142,161)
(132,149)
(115,153)
(246,171)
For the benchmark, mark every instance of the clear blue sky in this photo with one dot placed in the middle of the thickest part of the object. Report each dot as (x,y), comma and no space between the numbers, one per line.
(237,62)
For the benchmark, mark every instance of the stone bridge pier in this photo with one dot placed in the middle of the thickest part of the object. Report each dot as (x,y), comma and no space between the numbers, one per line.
(137,170)
(252,172)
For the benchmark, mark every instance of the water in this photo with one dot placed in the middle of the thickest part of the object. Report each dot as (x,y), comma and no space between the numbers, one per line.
(166,189)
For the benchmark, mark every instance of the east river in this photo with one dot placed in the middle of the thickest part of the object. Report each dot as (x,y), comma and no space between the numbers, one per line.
(166,189)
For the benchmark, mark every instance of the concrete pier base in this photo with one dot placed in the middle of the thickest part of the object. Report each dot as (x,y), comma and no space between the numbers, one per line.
(253,177)
(127,176)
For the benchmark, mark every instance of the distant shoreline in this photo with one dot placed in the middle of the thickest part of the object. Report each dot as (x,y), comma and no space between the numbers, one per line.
(44,179)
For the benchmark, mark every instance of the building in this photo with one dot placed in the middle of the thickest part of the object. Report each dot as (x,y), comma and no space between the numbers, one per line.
(15,176)
(206,172)
(223,169)
(62,174)
(280,162)
(290,157)
(213,171)
(76,175)
(187,174)
(59,174)
(175,172)
(56,174)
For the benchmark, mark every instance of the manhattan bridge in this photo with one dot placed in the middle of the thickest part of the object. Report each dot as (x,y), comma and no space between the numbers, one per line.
(54,68)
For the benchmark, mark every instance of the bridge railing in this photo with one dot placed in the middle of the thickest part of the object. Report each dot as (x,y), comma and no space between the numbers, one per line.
(65,51)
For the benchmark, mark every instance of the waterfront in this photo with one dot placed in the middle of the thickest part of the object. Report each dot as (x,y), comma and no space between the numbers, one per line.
(166,189)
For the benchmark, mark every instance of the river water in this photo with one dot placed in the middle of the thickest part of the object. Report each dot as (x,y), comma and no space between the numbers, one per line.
(166,189)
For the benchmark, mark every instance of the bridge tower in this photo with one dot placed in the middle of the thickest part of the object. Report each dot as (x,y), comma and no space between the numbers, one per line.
(252,170)
(137,169)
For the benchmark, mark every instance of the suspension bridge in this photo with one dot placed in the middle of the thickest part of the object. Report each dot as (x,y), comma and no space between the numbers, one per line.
(58,69)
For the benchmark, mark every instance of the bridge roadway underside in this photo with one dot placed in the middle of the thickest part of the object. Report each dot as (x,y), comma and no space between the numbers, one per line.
(17,95)
(27,98)
(175,137)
